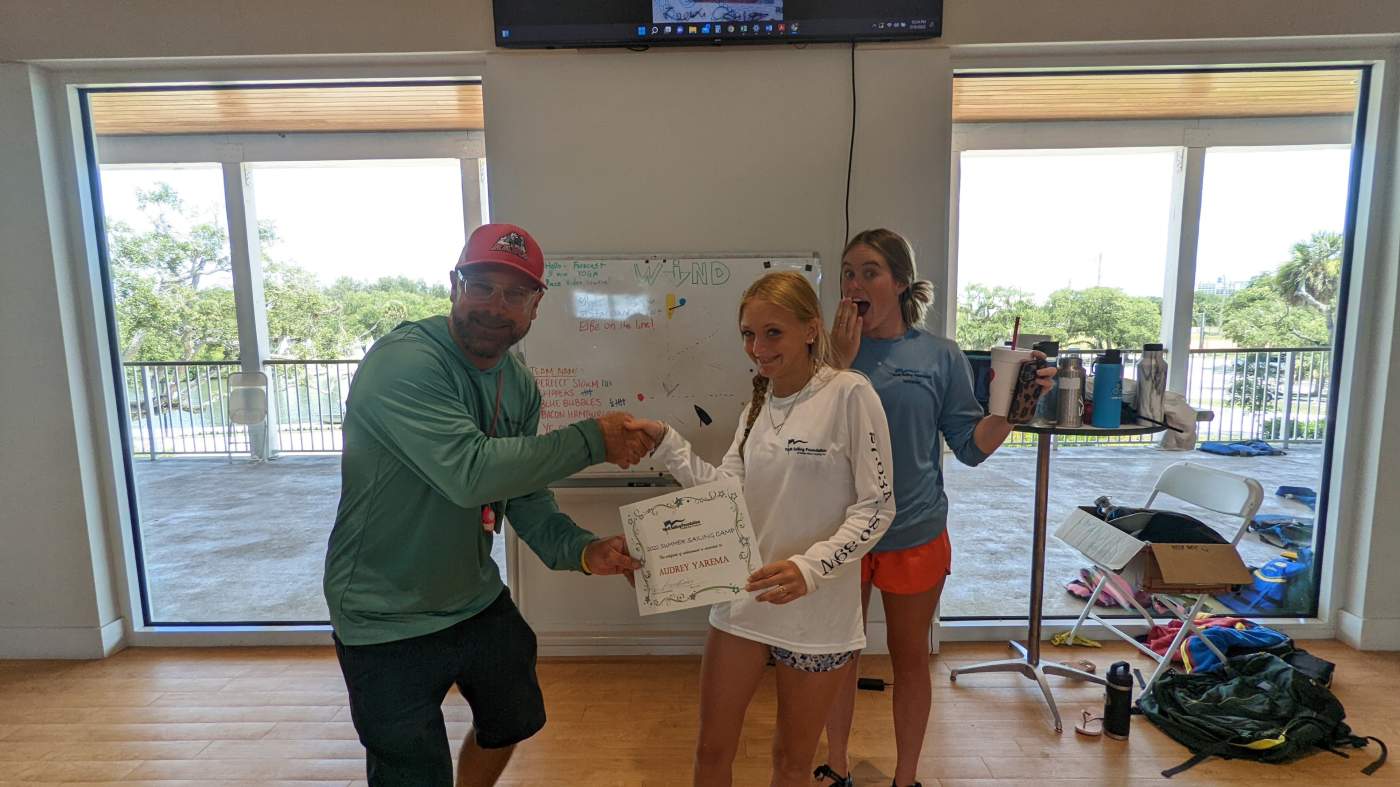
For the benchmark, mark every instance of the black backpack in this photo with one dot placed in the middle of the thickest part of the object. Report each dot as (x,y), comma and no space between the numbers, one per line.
(1257,707)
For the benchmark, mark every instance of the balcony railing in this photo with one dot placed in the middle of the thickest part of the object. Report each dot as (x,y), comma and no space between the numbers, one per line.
(1272,393)
(181,407)
(1275,394)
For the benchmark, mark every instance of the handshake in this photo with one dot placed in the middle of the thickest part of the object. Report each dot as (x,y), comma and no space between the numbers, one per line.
(627,440)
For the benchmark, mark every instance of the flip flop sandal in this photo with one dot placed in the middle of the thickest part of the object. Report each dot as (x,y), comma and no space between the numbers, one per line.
(1090,726)
(824,771)
(1083,665)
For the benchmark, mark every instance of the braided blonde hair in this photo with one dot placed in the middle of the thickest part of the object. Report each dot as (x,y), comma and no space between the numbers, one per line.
(791,292)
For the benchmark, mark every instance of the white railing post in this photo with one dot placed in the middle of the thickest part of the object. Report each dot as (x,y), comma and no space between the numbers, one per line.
(1288,401)
(150,411)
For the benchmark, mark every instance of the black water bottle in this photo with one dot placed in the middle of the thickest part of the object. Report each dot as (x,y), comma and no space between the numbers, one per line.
(1118,701)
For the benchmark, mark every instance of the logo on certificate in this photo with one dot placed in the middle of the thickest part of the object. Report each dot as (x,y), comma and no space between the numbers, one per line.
(695,547)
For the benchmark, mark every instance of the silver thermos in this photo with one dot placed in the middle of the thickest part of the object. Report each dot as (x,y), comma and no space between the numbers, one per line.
(1069,411)
(1152,384)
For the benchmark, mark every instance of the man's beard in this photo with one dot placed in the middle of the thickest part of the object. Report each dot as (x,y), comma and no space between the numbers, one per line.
(488,343)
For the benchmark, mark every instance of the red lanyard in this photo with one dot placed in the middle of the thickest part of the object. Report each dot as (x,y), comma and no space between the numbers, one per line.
(488,514)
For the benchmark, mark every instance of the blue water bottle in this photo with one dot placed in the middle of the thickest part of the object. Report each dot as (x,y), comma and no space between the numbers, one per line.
(1108,390)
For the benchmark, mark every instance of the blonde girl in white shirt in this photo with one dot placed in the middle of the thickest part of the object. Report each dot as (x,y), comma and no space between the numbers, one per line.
(813,453)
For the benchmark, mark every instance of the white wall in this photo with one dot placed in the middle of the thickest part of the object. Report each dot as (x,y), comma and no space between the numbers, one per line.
(598,152)
(56,595)
(1366,500)
(82,29)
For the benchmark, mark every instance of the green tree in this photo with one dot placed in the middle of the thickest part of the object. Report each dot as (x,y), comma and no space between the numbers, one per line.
(1208,310)
(1096,318)
(372,309)
(1311,276)
(166,308)
(1260,316)
(172,306)
(1103,317)
(1291,307)
(986,315)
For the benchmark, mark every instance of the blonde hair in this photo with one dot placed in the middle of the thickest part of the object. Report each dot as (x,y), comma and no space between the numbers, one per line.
(899,255)
(791,292)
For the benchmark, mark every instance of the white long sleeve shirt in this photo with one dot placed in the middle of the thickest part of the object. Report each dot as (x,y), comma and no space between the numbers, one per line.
(818,478)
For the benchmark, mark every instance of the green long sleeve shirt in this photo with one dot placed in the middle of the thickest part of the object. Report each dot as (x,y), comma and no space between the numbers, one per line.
(408,555)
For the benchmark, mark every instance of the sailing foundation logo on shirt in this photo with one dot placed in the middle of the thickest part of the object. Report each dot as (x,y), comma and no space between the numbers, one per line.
(914,376)
(795,446)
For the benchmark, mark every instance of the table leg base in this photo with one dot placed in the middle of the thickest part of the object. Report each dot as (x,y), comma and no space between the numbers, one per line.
(1032,671)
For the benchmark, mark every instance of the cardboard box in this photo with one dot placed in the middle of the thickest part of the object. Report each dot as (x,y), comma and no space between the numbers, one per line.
(1157,568)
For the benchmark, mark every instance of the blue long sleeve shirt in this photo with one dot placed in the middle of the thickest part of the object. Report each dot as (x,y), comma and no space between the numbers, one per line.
(925,386)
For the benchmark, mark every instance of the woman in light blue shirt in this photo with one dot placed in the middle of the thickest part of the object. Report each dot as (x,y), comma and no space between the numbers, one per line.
(925,385)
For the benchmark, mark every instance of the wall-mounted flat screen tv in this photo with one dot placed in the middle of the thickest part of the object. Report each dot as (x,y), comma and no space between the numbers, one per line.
(536,24)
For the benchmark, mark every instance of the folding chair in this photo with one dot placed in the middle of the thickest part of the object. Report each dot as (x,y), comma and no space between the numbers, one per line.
(1211,489)
(247,406)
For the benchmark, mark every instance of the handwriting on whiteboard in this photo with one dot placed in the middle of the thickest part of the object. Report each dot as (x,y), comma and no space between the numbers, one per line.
(570,394)
(575,273)
(616,326)
(682,272)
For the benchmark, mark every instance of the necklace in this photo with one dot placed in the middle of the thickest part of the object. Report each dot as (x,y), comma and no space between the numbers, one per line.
(787,411)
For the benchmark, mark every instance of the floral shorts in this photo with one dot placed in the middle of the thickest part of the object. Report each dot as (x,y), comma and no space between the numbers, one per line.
(812,662)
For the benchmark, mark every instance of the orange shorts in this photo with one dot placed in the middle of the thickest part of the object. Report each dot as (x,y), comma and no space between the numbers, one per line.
(909,571)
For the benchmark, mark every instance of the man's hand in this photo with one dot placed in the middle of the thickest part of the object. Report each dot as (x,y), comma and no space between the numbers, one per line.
(845,333)
(785,579)
(622,446)
(655,430)
(608,556)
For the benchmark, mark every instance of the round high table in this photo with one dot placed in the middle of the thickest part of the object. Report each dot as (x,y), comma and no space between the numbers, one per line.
(1028,663)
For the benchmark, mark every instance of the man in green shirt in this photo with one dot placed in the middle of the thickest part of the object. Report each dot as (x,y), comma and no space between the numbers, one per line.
(440,441)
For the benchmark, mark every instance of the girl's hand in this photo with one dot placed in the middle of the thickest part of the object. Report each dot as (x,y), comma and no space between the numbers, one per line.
(845,333)
(652,429)
(783,580)
(1045,377)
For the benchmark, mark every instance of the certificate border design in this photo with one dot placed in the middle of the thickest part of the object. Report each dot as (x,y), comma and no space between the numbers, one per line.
(741,526)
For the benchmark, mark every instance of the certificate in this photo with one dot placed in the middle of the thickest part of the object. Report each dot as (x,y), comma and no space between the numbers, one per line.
(696,547)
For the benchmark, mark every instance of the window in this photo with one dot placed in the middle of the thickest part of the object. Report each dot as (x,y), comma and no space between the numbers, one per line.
(346,249)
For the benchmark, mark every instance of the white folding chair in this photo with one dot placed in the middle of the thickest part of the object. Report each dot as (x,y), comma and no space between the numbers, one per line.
(1211,489)
(247,406)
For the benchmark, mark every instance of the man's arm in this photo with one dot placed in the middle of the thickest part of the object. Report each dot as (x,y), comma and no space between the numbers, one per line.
(556,538)
(404,399)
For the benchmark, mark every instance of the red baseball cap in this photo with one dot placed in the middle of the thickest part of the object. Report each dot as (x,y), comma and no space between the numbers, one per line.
(505,244)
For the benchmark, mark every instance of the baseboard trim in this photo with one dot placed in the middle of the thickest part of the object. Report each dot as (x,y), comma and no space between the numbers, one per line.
(621,643)
(229,636)
(52,642)
(1368,633)
(113,637)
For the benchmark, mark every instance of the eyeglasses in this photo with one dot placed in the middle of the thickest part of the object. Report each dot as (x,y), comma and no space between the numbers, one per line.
(482,291)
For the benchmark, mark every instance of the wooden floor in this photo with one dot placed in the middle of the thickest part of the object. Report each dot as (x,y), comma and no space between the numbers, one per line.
(278,716)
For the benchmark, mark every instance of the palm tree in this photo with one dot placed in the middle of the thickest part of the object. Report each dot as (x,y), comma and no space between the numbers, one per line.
(1312,275)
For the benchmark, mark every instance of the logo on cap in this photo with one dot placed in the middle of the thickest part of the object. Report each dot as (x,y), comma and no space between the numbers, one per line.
(512,242)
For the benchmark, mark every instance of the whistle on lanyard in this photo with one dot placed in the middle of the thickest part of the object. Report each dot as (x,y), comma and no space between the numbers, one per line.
(488,518)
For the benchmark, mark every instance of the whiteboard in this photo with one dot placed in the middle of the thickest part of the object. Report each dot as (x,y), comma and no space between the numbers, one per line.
(656,336)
